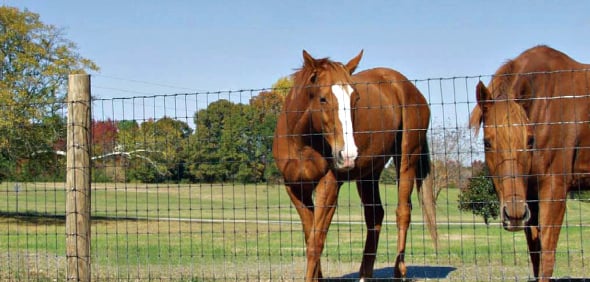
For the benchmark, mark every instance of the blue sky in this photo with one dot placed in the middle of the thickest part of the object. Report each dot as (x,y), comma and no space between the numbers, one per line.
(164,47)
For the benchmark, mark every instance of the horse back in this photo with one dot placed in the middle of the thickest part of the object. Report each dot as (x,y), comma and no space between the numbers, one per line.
(392,117)
(384,86)
(555,92)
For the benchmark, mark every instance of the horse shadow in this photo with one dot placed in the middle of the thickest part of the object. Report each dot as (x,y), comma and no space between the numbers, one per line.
(415,273)
(424,272)
(568,279)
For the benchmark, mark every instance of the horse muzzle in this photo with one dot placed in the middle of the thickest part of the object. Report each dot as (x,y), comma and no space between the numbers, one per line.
(515,216)
(345,159)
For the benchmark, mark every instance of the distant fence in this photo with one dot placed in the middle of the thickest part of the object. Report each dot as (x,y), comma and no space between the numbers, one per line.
(183,187)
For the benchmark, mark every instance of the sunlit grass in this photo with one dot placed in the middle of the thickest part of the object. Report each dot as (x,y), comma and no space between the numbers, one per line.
(249,232)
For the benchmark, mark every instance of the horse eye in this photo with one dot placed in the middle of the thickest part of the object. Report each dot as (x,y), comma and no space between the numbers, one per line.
(487,145)
(313,77)
(530,142)
(323,100)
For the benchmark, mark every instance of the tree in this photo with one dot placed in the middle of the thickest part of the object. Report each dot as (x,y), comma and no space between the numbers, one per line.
(104,136)
(154,149)
(233,142)
(450,148)
(210,151)
(170,139)
(267,107)
(480,197)
(36,59)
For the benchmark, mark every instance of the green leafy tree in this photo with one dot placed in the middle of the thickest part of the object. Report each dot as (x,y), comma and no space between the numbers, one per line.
(127,136)
(233,142)
(155,149)
(171,138)
(209,147)
(236,148)
(480,197)
(36,59)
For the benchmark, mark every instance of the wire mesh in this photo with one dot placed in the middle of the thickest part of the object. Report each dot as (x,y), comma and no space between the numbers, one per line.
(185,189)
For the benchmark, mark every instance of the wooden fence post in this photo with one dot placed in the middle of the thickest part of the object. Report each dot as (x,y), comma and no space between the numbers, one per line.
(78,178)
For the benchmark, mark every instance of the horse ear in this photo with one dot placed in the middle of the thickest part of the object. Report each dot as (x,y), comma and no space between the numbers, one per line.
(354,62)
(308,60)
(483,99)
(483,95)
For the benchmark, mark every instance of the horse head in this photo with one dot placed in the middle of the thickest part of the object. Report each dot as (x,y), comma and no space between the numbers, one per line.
(508,142)
(326,94)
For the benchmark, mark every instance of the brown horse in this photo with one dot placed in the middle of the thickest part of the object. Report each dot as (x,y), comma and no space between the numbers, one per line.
(336,127)
(535,115)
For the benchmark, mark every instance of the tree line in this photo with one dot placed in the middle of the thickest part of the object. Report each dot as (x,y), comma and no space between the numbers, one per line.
(231,142)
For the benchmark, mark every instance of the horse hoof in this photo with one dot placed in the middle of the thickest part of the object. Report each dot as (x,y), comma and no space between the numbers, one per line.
(400,271)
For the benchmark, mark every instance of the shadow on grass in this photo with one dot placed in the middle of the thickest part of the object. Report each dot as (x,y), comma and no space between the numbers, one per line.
(424,272)
(34,217)
(415,272)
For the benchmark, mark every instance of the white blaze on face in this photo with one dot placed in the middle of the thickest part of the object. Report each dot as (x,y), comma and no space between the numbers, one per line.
(350,151)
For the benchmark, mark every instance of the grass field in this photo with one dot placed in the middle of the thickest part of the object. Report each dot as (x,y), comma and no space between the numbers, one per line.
(206,232)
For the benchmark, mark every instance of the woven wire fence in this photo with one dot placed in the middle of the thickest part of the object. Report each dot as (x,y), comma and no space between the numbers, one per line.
(184,188)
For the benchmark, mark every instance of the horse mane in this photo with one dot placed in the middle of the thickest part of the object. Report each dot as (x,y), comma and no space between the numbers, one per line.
(502,81)
(499,86)
(302,75)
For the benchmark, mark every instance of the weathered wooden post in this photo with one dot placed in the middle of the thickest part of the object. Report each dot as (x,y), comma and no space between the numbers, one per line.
(78,178)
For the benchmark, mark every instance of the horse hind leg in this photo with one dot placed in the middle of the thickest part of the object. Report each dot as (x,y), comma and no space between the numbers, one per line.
(403,216)
(551,214)
(368,191)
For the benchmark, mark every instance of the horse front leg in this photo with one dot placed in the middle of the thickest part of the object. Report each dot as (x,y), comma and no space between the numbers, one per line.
(301,197)
(368,191)
(326,197)
(551,212)
(532,231)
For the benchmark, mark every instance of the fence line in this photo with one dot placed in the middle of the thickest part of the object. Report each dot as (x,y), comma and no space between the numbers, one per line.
(183,189)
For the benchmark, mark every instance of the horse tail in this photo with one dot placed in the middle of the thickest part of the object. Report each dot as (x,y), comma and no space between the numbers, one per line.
(425,186)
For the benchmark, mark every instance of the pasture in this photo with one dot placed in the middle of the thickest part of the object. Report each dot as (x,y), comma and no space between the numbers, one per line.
(206,232)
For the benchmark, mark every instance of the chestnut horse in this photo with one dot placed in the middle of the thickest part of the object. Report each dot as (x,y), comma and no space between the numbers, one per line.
(535,115)
(335,127)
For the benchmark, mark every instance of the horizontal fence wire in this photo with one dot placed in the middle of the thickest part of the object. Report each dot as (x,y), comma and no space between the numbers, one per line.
(185,188)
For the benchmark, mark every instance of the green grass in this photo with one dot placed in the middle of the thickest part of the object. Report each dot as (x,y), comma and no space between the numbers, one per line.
(251,232)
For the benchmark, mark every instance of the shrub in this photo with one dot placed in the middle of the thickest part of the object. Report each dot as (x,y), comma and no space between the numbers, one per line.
(480,197)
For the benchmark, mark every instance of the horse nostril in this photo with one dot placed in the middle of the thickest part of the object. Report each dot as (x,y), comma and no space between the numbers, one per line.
(505,212)
(527,213)
(341,156)
(525,217)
